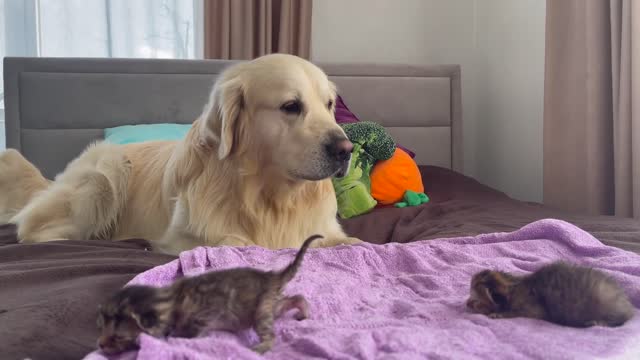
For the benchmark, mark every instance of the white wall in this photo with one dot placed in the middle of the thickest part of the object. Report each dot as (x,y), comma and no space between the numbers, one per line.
(500,45)
(509,71)
(401,31)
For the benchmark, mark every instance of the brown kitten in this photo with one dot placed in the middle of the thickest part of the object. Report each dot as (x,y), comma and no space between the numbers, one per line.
(231,300)
(561,293)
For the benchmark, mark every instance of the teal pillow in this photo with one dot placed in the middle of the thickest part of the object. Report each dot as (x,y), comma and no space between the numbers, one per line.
(128,134)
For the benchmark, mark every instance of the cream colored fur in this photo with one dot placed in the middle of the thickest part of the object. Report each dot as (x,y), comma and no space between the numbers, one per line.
(19,182)
(247,173)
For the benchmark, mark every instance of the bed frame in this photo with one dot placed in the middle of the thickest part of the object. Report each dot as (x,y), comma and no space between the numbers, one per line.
(54,107)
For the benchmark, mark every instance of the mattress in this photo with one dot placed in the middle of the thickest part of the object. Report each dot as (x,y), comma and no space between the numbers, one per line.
(50,291)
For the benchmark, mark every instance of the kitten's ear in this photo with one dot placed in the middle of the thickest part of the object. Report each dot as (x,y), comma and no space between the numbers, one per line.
(498,287)
(498,298)
(489,295)
(146,320)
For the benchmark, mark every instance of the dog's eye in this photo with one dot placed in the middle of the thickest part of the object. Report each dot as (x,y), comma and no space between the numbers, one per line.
(292,107)
(330,104)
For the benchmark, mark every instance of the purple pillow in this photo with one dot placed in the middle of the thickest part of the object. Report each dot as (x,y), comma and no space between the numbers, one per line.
(345,116)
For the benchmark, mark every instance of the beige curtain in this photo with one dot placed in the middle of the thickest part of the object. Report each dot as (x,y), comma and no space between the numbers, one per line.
(591,106)
(246,29)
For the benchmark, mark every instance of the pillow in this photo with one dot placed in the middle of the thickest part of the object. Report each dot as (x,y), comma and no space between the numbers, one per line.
(345,116)
(128,134)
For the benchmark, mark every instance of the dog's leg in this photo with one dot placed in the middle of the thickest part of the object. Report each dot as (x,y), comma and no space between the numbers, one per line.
(335,236)
(106,188)
(20,181)
(177,238)
(83,202)
(235,241)
(335,241)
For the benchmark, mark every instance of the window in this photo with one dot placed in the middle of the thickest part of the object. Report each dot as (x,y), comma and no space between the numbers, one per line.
(99,28)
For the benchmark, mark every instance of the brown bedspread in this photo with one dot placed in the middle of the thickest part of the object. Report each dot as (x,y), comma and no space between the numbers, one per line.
(49,292)
(461,206)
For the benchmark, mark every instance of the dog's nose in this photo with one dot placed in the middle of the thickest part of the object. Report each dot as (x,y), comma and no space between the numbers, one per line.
(340,149)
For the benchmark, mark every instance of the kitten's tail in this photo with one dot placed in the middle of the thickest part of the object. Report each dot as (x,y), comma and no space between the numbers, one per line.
(290,271)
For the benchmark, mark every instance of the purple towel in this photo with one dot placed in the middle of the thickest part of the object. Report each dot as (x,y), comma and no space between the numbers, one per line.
(406,301)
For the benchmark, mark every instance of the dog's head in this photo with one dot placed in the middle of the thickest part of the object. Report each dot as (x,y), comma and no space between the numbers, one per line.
(278,111)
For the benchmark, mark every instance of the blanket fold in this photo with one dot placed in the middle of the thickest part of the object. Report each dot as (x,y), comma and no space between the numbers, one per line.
(407,301)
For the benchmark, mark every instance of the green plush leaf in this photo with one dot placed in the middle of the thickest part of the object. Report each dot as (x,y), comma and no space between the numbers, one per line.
(355,201)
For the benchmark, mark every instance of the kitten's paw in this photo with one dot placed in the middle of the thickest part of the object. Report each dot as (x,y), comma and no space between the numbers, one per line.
(300,316)
(263,347)
(495,316)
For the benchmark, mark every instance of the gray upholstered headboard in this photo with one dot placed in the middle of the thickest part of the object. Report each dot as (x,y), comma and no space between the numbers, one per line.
(57,106)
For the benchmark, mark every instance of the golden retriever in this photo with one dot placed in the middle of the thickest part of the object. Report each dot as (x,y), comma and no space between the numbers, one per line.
(254,169)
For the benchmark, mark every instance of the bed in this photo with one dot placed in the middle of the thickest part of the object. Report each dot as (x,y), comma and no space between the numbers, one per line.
(56,106)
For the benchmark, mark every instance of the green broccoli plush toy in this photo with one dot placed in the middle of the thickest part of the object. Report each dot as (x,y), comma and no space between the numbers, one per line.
(370,144)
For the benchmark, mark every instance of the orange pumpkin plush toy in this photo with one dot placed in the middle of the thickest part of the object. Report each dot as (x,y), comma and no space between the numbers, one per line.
(390,179)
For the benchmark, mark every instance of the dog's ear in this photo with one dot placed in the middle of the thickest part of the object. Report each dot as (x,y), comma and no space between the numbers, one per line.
(220,117)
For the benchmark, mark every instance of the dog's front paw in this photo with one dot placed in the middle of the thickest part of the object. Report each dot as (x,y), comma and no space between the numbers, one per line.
(235,241)
(350,241)
(329,242)
(495,316)
(25,241)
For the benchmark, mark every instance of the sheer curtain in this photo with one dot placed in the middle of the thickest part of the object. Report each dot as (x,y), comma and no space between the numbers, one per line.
(116,28)
(99,28)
